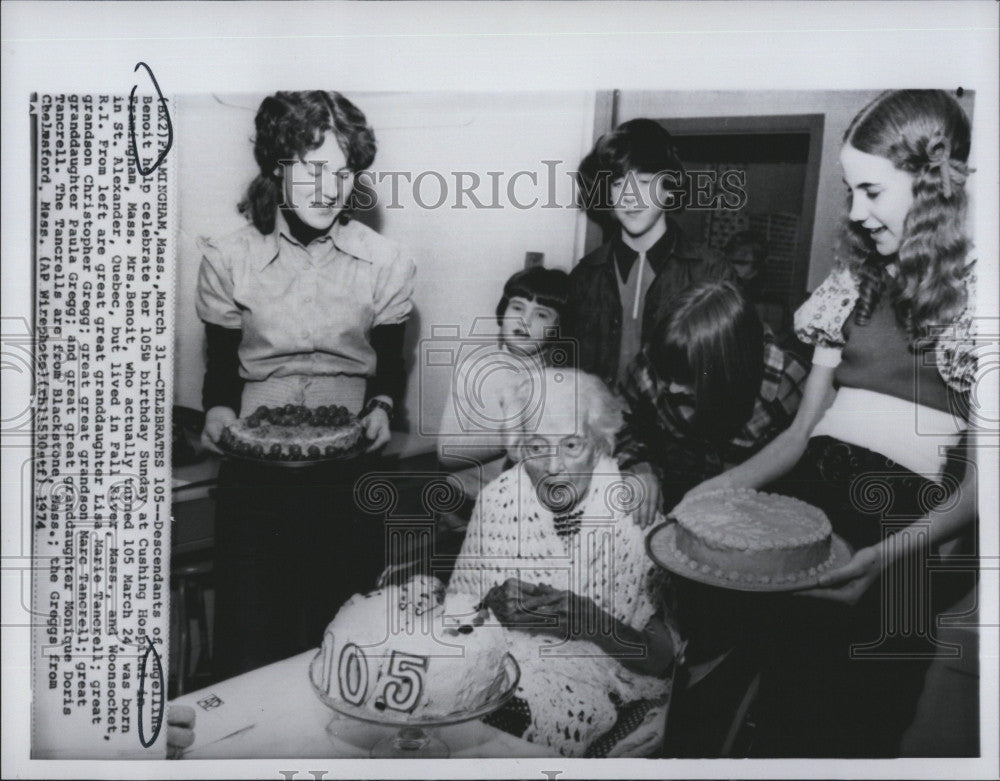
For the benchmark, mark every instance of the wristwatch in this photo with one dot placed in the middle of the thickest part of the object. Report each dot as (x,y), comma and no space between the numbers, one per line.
(377,403)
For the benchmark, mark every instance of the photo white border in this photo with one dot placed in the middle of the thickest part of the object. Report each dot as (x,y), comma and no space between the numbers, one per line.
(92,47)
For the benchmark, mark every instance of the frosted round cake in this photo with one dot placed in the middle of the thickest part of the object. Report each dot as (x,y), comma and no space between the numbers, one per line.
(292,433)
(408,649)
(740,535)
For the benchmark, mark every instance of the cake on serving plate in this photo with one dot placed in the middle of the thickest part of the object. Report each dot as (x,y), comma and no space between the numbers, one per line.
(408,649)
(292,433)
(743,535)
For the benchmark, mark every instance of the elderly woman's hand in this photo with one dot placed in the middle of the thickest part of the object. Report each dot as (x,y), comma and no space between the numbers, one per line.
(570,611)
(521,605)
(507,601)
(563,614)
(535,606)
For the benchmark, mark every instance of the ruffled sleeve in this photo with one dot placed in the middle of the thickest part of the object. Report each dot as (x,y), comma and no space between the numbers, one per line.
(820,320)
(955,351)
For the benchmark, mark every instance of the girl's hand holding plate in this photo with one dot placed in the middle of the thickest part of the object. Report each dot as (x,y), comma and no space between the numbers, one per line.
(216,419)
(849,583)
(376,427)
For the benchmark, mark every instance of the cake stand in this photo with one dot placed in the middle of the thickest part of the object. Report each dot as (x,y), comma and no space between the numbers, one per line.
(413,738)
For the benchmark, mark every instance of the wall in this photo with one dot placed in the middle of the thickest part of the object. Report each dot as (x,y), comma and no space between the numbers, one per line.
(839,108)
(463,255)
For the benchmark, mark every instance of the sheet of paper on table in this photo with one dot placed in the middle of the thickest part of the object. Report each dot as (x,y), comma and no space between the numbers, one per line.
(274,712)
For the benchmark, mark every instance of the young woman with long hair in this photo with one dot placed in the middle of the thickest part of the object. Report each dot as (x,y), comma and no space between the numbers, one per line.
(884,441)
(303,306)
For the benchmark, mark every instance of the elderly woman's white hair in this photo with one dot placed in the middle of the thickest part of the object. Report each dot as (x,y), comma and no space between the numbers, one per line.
(580,399)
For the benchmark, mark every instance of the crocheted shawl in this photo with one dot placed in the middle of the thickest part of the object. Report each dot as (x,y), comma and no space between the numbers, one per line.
(572,686)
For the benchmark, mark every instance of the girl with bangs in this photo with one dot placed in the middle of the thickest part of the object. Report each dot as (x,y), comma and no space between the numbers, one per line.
(471,435)
(882,441)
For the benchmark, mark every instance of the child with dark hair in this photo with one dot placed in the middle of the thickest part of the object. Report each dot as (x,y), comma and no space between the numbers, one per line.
(303,306)
(628,183)
(709,389)
(529,314)
(747,252)
(472,435)
(532,299)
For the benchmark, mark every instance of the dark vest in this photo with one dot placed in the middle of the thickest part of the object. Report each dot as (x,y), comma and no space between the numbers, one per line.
(877,357)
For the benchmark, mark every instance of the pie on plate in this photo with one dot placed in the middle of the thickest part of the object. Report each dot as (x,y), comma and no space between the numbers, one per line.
(293,433)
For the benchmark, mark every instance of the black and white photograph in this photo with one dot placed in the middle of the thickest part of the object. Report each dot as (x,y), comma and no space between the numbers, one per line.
(539,416)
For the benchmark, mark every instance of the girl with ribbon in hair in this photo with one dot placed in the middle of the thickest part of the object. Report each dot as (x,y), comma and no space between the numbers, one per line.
(883,441)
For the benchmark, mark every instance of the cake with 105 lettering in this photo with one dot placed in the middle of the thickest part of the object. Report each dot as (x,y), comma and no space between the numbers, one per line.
(406,650)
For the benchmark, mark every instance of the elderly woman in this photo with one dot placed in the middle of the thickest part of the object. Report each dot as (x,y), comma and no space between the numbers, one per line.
(553,550)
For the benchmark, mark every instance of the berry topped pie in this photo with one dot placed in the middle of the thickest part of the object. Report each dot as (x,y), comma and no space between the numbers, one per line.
(293,433)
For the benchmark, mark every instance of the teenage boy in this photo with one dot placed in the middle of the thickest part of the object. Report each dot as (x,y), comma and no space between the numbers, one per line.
(621,289)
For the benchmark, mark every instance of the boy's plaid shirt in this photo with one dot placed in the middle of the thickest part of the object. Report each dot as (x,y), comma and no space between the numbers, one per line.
(659,429)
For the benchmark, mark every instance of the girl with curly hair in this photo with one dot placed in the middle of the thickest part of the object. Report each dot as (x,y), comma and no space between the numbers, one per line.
(303,306)
(882,441)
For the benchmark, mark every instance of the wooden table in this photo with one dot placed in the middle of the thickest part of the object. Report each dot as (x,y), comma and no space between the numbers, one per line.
(273,712)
